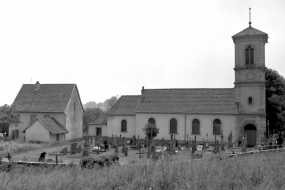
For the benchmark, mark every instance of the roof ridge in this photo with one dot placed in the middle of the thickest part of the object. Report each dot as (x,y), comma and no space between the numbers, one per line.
(189,88)
(130,95)
(115,106)
(54,84)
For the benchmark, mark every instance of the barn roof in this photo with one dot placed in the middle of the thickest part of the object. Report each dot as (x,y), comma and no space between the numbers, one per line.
(205,101)
(52,125)
(47,98)
(126,105)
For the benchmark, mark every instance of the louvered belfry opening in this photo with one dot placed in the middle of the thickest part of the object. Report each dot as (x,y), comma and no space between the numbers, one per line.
(249,56)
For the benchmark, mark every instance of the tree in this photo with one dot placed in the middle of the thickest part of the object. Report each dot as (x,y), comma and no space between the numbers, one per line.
(275,100)
(89,115)
(8,117)
(109,103)
(91,104)
(151,130)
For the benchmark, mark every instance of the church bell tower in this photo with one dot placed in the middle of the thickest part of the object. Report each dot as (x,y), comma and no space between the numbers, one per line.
(250,84)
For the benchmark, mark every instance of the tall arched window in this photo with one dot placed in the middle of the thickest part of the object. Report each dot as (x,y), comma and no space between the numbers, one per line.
(195,126)
(173,125)
(124,126)
(151,120)
(217,127)
(249,55)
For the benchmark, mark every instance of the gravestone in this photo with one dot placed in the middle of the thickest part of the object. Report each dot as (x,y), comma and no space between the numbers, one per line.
(115,142)
(243,144)
(134,140)
(64,151)
(230,139)
(79,149)
(217,147)
(126,151)
(116,149)
(193,147)
(207,144)
(124,145)
(73,148)
(222,141)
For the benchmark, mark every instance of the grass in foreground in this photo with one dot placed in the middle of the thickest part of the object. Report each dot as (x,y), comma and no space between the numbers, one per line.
(259,171)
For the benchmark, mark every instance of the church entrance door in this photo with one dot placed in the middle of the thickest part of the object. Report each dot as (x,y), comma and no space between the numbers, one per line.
(250,133)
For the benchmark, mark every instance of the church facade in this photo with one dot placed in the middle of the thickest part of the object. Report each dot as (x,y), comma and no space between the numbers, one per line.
(202,113)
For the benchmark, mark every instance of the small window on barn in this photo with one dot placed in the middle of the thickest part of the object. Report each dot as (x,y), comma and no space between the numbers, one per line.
(33,119)
(124,126)
(249,55)
(173,126)
(195,126)
(217,127)
(46,116)
(250,100)
(151,120)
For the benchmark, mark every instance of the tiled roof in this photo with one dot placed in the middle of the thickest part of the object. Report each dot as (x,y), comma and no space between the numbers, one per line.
(48,98)
(52,125)
(249,32)
(126,105)
(188,101)
(101,120)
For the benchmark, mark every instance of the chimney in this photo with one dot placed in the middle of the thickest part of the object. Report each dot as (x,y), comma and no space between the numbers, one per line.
(142,95)
(37,85)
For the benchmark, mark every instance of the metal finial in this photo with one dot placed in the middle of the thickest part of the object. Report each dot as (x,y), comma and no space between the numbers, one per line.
(249,17)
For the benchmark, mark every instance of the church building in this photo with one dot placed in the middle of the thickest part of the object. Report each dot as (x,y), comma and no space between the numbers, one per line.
(204,112)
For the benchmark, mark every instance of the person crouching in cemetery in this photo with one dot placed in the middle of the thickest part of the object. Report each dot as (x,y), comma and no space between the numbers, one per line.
(42,157)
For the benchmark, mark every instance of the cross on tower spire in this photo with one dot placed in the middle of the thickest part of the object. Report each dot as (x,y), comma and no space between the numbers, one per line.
(249,17)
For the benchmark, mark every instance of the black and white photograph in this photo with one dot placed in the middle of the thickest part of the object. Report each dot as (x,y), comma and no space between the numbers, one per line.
(149,94)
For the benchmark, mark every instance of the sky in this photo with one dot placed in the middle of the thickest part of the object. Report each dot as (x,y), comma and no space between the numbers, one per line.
(111,48)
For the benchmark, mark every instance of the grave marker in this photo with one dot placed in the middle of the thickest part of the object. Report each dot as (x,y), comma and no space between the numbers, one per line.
(79,149)
(230,138)
(73,148)
(64,151)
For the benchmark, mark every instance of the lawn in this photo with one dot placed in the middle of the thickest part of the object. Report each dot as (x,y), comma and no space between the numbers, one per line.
(256,171)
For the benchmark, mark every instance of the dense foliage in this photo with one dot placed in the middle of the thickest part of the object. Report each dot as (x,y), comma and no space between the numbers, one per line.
(151,130)
(275,100)
(7,117)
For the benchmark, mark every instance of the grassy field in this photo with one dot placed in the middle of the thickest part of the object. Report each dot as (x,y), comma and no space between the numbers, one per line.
(258,171)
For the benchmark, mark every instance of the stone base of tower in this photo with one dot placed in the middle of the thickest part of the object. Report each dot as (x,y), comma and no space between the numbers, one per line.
(252,127)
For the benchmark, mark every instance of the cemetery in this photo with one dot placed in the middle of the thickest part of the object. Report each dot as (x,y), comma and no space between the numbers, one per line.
(132,150)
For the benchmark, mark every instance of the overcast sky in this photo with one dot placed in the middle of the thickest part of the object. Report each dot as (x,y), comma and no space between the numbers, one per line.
(115,47)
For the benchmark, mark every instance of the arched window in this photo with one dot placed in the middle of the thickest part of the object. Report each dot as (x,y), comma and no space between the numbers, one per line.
(217,127)
(124,126)
(249,55)
(173,125)
(195,126)
(250,100)
(151,120)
